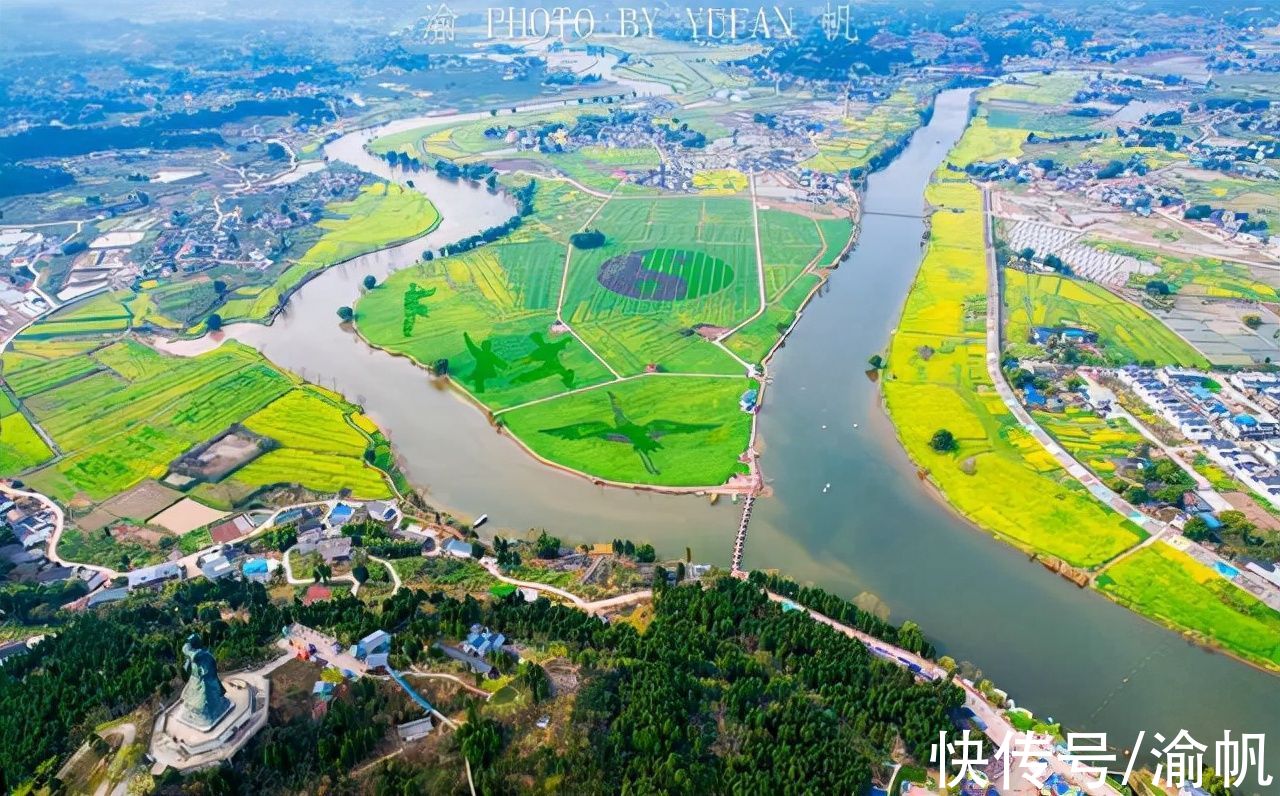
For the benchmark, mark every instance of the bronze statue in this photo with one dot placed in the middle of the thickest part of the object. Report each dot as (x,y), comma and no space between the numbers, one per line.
(204,700)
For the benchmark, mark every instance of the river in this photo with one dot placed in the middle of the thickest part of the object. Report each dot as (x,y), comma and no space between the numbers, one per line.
(1067,653)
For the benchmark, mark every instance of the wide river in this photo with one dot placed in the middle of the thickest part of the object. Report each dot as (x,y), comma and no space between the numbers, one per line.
(876,532)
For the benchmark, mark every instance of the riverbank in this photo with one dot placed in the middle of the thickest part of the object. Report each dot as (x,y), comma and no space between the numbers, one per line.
(997,475)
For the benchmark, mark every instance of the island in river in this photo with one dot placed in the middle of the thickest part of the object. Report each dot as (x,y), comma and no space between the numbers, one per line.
(616,327)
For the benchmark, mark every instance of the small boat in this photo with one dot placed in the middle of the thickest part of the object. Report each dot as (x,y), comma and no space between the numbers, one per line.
(825,488)
(481,520)
(855,425)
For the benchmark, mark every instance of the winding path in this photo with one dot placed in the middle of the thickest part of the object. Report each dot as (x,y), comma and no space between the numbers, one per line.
(590,607)
(59,524)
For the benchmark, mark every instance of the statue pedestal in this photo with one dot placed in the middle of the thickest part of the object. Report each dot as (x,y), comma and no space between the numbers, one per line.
(178,741)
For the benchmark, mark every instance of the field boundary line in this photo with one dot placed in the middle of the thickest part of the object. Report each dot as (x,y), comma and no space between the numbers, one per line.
(619,380)
(764,300)
(564,283)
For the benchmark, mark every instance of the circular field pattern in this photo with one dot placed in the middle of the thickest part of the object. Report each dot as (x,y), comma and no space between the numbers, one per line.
(665,274)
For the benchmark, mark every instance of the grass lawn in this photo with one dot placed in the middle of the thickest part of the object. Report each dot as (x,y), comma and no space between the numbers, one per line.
(1175,589)
(936,378)
(1128,334)
(533,573)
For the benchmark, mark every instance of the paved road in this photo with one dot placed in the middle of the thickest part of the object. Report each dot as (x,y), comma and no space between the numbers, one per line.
(997,727)
(1006,393)
(59,525)
(590,607)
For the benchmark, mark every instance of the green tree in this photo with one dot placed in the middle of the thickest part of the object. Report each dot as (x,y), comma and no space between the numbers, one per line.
(547,546)
(535,678)
(213,323)
(943,441)
(346,314)
(370,282)
(1196,529)
(1137,495)
(480,738)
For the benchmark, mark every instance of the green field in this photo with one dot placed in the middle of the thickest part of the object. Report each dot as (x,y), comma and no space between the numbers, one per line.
(1127,333)
(1038,89)
(1198,276)
(1176,590)
(936,378)
(20,444)
(850,142)
(102,313)
(667,430)
(1094,441)
(127,411)
(634,331)
(381,215)
(674,274)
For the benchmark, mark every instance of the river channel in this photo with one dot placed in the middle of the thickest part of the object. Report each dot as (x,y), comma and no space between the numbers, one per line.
(876,531)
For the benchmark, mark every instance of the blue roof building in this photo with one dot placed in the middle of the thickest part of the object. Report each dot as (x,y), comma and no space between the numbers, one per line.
(482,641)
(1033,396)
(376,641)
(749,399)
(340,514)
